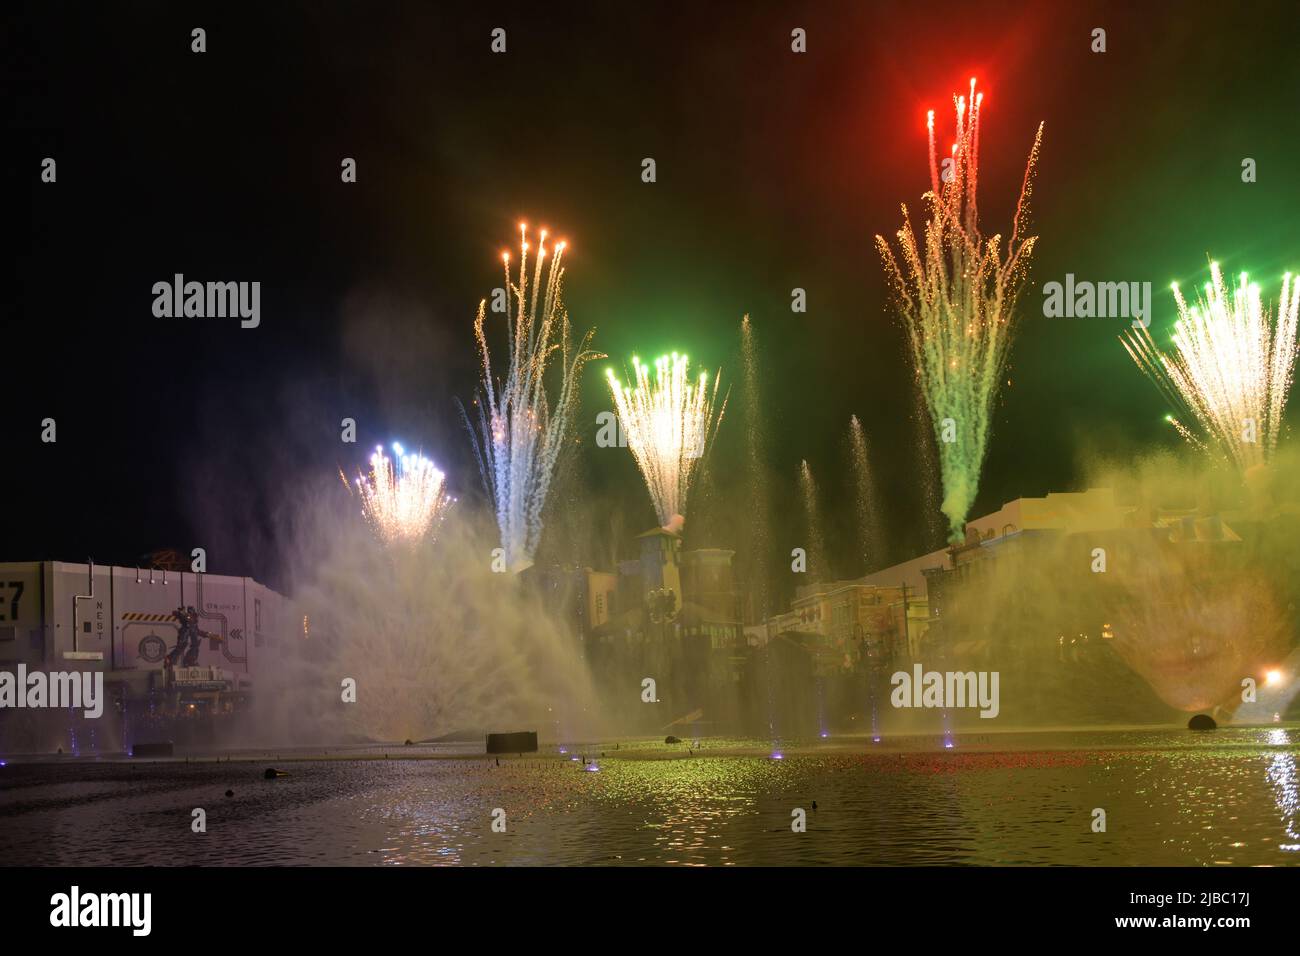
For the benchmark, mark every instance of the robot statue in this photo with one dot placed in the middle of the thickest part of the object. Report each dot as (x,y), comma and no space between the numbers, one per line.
(187,638)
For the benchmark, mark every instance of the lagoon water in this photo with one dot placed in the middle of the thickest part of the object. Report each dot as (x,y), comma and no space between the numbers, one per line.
(1171,797)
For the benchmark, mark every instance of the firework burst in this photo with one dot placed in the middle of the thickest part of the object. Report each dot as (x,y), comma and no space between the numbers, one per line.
(956,294)
(1230,367)
(403,499)
(519,432)
(669,424)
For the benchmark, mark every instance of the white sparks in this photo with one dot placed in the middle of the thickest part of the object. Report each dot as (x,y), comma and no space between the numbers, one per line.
(519,433)
(1230,367)
(403,500)
(669,425)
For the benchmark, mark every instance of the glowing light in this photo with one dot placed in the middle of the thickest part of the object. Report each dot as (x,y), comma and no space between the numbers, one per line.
(520,430)
(669,424)
(403,499)
(1273,678)
(1230,367)
(956,294)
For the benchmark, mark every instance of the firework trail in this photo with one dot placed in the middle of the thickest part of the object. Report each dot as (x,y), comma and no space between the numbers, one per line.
(956,294)
(669,424)
(404,499)
(1230,367)
(519,433)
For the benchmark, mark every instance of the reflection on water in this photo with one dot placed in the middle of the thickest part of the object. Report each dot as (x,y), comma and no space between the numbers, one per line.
(1282,775)
(1171,798)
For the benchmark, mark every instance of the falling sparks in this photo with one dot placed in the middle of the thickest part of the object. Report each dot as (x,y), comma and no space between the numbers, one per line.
(1230,367)
(403,499)
(669,424)
(518,432)
(956,295)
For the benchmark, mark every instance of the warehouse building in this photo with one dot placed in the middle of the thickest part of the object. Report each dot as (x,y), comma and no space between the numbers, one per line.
(57,617)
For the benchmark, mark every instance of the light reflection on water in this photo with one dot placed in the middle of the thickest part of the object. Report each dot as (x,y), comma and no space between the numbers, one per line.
(1171,798)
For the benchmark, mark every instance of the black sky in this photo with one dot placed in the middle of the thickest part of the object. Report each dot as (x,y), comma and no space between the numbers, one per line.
(775,170)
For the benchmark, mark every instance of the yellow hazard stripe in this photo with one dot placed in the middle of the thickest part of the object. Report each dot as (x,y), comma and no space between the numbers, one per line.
(137,616)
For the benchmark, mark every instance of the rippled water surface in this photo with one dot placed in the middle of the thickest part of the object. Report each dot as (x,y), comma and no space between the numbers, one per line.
(1170,798)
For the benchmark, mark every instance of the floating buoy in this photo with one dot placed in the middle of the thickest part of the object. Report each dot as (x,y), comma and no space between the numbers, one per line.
(230,793)
(1202,722)
(271,773)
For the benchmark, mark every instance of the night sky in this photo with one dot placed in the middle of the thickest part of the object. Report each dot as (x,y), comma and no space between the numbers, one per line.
(775,171)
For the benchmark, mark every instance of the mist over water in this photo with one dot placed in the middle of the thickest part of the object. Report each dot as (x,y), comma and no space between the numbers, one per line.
(1212,601)
(1200,582)
(436,641)
(1160,608)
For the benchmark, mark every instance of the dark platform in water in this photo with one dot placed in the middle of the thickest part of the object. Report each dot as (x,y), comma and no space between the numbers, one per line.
(162,748)
(522,742)
(1202,722)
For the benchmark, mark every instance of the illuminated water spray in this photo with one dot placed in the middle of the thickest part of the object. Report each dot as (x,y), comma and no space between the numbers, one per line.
(519,430)
(404,498)
(669,424)
(757,507)
(818,566)
(1230,367)
(868,512)
(956,294)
